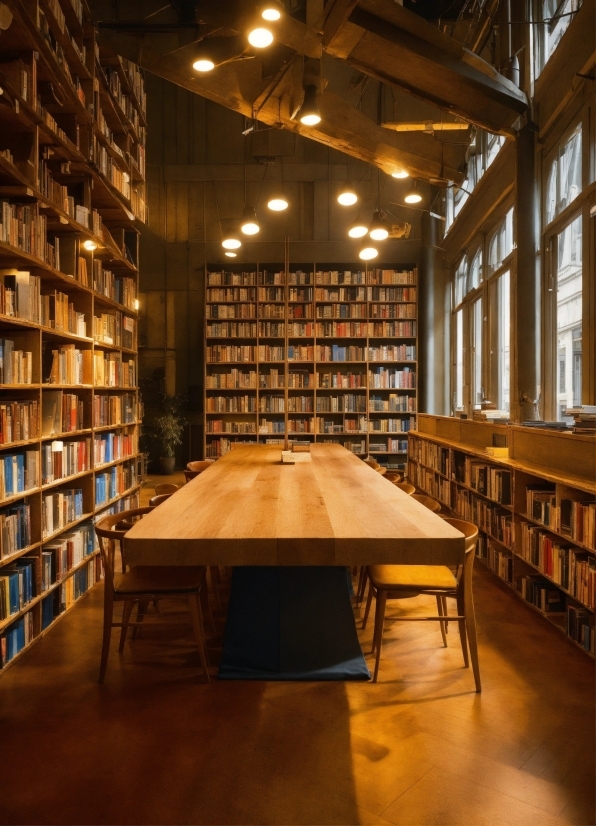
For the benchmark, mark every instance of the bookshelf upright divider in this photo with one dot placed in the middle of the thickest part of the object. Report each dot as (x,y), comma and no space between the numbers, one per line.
(333,351)
(72,158)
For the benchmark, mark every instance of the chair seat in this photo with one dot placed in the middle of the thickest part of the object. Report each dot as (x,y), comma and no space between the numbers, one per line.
(156,579)
(412,577)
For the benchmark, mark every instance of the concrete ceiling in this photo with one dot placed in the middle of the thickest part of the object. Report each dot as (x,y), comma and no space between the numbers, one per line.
(377,38)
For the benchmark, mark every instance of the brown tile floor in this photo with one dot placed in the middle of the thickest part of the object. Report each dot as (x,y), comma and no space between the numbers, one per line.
(155,744)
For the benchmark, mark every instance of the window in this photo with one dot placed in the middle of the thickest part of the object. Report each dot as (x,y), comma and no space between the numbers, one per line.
(459,360)
(501,243)
(557,15)
(476,337)
(565,176)
(569,314)
(500,340)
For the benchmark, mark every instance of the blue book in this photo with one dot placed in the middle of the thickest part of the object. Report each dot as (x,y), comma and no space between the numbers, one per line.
(13,591)
(8,475)
(47,611)
(20,472)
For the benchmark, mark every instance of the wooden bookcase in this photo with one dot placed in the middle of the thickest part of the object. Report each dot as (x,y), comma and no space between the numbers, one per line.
(314,352)
(72,187)
(536,509)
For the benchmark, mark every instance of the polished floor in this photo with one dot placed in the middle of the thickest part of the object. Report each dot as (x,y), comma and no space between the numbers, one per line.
(156,744)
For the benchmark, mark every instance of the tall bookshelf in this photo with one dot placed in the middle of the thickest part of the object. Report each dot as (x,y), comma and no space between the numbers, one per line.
(72,171)
(535,509)
(311,352)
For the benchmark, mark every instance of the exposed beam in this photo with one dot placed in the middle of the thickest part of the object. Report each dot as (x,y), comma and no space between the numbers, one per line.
(239,86)
(386,41)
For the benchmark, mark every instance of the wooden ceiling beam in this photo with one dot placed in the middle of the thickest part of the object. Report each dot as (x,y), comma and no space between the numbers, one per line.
(240,86)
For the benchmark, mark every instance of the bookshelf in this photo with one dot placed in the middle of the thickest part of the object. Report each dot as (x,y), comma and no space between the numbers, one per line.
(535,508)
(314,352)
(72,187)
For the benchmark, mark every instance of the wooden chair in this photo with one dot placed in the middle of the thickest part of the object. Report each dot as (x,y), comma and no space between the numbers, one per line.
(406,581)
(157,500)
(394,476)
(167,487)
(142,585)
(371,463)
(382,470)
(406,487)
(429,503)
(195,468)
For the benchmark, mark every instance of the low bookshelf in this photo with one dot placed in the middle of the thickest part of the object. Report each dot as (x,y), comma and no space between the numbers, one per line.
(535,509)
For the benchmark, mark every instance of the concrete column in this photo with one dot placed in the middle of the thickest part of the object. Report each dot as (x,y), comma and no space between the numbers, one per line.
(525,325)
(433,324)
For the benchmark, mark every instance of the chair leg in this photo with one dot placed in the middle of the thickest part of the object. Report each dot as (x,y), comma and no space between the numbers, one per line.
(368,604)
(379,622)
(441,612)
(108,615)
(197,623)
(471,629)
(462,630)
(445,612)
(141,610)
(204,595)
(128,606)
(215,583)
(361,585)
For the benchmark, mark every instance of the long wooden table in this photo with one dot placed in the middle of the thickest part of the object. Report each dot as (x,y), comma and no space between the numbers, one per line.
(249,509)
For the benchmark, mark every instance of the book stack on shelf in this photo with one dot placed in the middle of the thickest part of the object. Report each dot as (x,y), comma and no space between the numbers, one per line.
(537,523)
(326,354)
(72,157)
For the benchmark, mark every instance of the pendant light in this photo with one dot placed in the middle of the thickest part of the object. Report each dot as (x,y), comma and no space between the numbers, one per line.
(278,201)
(204,59)
(260,37)
(89,245)
(368,252)
(231,241)
(271,10)
(250,223)
(358,229)
(309,113)
(413,195)
(400,173)
(378,229)
(230,254)
(347,196)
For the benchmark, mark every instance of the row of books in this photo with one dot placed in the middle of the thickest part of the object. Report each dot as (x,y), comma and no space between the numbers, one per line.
(392,378)
(230,404)
(244,310)
(580,628)
(430,482)
(62,459)
(489,481)
(542,594)
(114,328)
(489,517)
(58,313)
(120,288)
(500,561)
(64,554)
(17,586)
(244,329)
(343,403)
(578,520)
(108,447)
(22,226)
(19,421)
(392,404)
(112,410)
(62,412)
(20,295)
(114,482)
(431,455)
(219,426)
(541,504)
(390,446)
(59,508)
(18,473)
(111,370)
(331,277)
(569,567)
(16,366)
(16,637)
(15,529)
(272,404)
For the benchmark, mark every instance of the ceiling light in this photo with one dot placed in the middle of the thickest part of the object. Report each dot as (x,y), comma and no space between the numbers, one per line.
(231,241)
(278,202)
(203,64)
(413,196)
(347,197)
(368,253)
(400,173)
(230,254)
(358,229)
(378,230)
(309,113)
(260,37)
(271,10)
(204,58)
(250,222)
(90,245)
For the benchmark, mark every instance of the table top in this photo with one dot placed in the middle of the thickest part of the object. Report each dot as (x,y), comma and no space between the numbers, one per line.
(250,509)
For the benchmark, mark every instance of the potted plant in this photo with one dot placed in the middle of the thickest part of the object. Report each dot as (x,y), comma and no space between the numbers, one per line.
(170,427)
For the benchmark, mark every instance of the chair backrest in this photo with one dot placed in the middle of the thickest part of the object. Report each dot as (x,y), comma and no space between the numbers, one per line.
(372,463)
(199,467)
(110,531)
(190,474)
(157,500)
(406,487)
(393,476)
(470,531)
(429,503)
(167,487)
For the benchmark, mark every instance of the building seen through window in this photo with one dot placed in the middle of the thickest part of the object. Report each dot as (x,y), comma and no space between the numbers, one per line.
(569,316)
